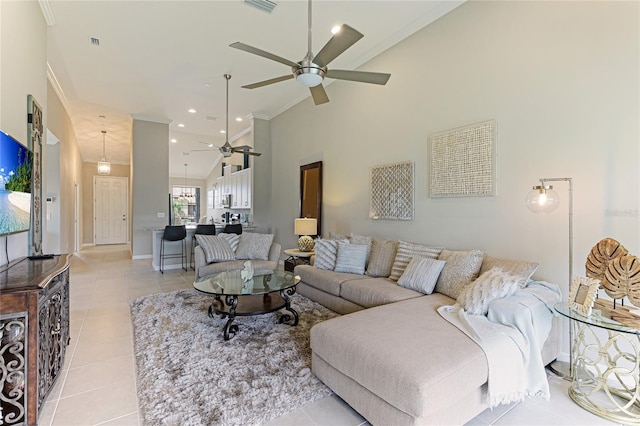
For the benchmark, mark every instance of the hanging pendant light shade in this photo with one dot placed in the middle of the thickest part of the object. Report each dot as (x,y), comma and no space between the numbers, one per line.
(104,167)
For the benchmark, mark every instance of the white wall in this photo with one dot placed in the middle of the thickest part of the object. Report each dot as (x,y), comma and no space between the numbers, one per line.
(562,81)
(23,49)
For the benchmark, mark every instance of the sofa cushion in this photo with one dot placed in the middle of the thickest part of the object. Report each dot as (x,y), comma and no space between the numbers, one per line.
(370,292)
(215,248)
(326,252)
(391,350)
(493,284)
(421,274)
(381,258)
(406,251)
(232,239)
(327,281)
(461,268)
(352,258)
(514,267)
(254,246)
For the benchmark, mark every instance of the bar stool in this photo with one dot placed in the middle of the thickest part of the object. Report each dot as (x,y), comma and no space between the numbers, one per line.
(202,230)
(236,228)
(174,233)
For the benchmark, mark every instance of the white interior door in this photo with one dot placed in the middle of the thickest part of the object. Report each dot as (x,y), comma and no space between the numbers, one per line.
(110,209)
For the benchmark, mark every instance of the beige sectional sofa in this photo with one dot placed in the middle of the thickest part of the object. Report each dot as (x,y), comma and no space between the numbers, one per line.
(392,356)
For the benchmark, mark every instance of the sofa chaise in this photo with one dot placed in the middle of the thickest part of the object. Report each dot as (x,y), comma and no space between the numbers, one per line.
(392,356)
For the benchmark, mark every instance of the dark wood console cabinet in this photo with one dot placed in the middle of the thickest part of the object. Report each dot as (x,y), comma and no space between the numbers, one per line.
(34,335)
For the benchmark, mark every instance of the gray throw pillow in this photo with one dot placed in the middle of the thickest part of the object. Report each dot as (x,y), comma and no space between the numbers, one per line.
(421,274)
(493,284)
(254,246)
(381,257)
(462,267)
(326,252)
(514,267)
(215,248)
(351,258)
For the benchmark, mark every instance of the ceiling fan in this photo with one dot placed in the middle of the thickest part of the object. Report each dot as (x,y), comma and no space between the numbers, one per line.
(227,150)
(312,70)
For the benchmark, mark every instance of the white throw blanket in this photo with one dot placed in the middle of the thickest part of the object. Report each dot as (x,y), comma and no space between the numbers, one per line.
(512,335)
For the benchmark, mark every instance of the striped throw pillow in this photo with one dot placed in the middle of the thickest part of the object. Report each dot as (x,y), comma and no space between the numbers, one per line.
(421,274)
(326,253)
(407,251)
(232,239)
(351,258)
(216,249)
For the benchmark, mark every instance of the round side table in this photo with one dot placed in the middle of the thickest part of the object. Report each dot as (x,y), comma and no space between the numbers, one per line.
(297,257)
(606,366)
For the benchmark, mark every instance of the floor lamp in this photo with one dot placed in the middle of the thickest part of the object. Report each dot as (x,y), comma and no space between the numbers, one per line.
(542,198)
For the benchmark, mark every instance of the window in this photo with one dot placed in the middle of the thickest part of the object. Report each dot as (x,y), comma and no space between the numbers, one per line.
(186,204)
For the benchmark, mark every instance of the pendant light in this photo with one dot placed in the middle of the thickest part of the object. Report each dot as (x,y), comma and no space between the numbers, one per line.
(104,167)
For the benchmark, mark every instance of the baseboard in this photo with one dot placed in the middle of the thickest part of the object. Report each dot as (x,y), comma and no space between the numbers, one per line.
(87,245)
(142,256)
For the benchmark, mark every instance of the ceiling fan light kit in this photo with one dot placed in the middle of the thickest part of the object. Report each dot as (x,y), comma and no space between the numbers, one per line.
(311,71)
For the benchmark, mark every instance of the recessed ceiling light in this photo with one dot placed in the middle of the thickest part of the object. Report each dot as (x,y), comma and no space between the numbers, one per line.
(210,145)
(174,140)
(207,85)
(238,118)
(336,29)
(180,125)
(222,131)
(192,111)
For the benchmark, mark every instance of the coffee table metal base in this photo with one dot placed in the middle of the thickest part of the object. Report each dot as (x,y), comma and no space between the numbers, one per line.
(249,305)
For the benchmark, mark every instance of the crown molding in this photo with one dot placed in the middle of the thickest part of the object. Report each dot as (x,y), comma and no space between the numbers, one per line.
(47,12)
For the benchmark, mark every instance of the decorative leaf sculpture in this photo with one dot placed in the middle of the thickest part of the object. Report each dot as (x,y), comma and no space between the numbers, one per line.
(622,278)
(601,255)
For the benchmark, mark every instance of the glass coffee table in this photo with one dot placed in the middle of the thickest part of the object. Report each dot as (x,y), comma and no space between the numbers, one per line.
(268,291)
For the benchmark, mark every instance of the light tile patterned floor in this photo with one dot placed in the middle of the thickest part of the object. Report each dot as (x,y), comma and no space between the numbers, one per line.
(98,387)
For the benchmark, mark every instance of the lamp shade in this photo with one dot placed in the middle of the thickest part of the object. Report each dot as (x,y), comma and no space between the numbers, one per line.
(542,198)
(306,226)
(104,167)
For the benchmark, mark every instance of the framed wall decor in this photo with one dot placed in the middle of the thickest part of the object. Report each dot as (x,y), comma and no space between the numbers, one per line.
(582,294)
(392,191)
(462,161)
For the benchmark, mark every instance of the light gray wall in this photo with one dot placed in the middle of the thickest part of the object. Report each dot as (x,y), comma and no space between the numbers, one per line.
(51,240)
(150,183)
(562,81)
(23,71)
(262,166)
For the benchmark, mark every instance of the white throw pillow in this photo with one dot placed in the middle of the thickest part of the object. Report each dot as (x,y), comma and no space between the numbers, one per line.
(351,258)
(215,248)
(421,274)
(493,284)
(407,251)
(254,246)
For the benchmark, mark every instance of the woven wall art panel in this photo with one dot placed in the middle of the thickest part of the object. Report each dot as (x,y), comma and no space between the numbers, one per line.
(462,161)
(392,193)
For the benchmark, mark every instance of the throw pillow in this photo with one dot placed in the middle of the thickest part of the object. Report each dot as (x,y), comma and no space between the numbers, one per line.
(421,274)
(462,267)
(336,236)
(215,248)
(514,267)
(362,240)
(351,258)
(232,239)
(381,258)
(254,246)
(326,252)
(493,284)
(407,251)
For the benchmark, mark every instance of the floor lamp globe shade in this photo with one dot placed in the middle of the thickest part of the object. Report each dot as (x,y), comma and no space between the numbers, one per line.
(541,200)
(104,167)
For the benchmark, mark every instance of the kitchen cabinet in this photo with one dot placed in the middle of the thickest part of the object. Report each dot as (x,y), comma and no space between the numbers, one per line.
(239,185)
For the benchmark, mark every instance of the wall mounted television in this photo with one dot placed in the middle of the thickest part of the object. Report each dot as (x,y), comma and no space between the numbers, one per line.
(16,166)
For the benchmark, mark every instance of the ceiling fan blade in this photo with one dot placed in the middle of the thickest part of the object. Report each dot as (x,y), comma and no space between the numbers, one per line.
(264,54)
(245,149)
(337,44)
(319,95)
(267,82)
(361,76)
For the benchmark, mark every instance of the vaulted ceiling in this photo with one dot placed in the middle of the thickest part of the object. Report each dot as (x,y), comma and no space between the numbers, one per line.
(110,61)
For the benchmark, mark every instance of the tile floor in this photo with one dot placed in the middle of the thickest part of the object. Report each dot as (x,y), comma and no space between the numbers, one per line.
(98,387)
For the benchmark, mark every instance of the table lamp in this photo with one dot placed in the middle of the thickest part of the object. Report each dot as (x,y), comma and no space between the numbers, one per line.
(305,227)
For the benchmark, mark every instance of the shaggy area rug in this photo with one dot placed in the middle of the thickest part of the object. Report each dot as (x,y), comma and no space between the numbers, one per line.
(188,375)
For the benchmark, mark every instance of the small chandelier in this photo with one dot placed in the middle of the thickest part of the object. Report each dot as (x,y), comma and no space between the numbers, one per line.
(104,167)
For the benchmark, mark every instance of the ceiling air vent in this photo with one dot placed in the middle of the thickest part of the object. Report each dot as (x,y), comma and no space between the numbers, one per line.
(264,5)
(95,41)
